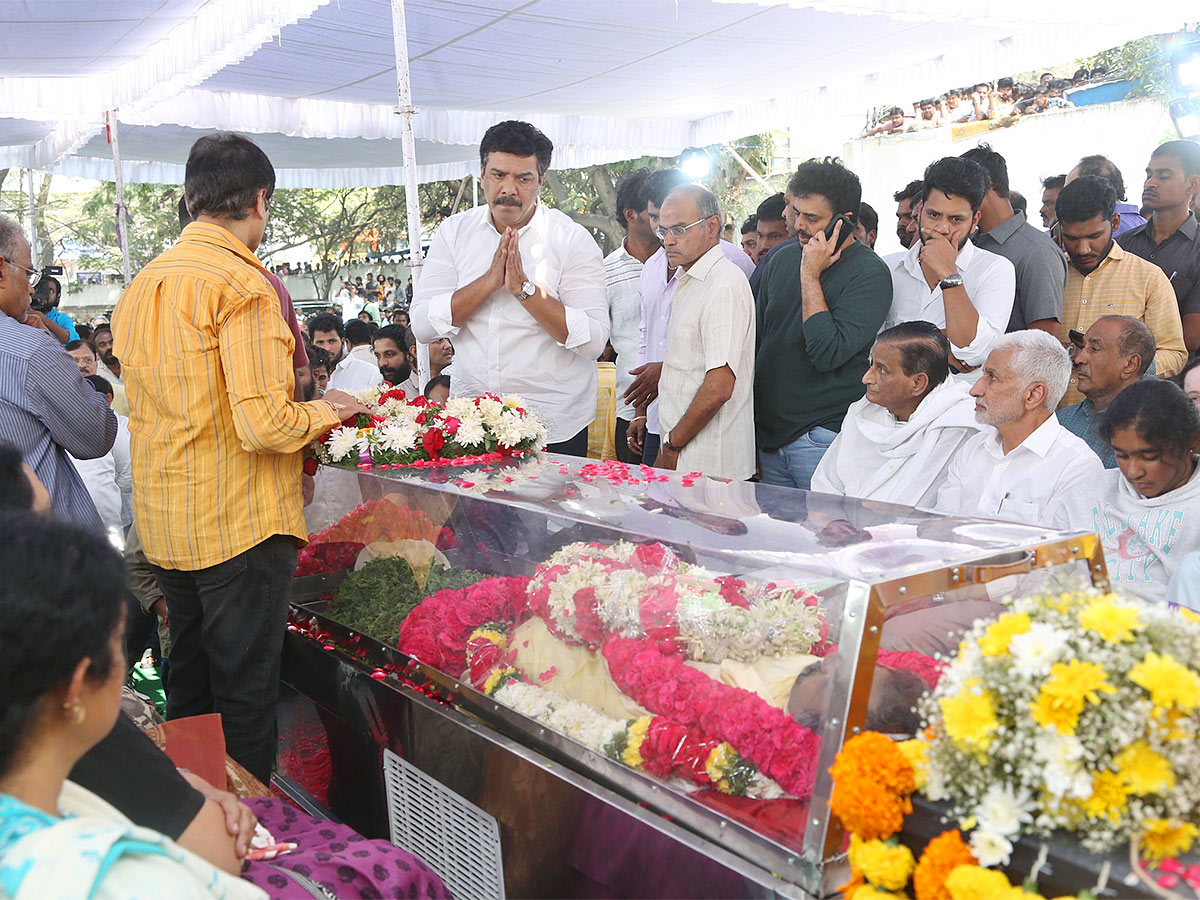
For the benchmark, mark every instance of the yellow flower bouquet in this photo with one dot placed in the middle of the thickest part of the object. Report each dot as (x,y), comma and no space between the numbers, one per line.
(1076,711)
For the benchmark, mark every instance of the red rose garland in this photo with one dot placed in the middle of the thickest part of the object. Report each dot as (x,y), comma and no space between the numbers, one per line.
(781,749)
(437,630)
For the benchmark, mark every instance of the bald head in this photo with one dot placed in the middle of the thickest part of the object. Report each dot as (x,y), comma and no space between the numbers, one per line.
(689,224)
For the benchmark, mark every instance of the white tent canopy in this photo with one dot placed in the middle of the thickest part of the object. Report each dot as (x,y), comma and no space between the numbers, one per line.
(315,80)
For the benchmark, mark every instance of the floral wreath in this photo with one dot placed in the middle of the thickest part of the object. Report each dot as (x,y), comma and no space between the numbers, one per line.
(400,432)
(714,734)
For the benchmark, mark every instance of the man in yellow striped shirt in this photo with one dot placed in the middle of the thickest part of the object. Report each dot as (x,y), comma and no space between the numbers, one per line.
(1105,280)
(216,441)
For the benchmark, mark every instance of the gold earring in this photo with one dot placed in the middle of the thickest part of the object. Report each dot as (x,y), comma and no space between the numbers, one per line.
(78,713)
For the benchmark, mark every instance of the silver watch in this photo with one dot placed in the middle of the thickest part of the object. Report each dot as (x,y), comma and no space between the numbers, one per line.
(951,281)
(528,289)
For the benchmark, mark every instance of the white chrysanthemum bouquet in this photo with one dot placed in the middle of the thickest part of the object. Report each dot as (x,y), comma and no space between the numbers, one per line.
(1078,711)
(401,432)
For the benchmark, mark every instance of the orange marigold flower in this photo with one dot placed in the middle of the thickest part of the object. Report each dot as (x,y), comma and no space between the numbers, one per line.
(872,781)
(941,855)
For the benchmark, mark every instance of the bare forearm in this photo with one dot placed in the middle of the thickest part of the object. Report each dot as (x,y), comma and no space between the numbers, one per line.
(812,296)
(470,297)
(962,320)
(714,392)
(1050,326)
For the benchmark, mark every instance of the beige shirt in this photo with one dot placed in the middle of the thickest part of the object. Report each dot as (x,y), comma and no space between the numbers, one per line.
(712,325)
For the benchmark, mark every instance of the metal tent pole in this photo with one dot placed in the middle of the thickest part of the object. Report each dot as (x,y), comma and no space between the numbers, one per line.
(33,247)
(110,121)
(408,146)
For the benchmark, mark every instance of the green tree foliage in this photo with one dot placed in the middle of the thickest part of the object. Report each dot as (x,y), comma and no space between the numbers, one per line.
(1145,61)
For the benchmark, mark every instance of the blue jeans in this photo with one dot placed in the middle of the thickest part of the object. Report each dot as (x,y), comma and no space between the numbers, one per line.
(792,465)
(650,450)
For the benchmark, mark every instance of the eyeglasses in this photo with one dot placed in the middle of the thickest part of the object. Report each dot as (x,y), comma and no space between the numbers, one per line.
(34,275)
(676,230)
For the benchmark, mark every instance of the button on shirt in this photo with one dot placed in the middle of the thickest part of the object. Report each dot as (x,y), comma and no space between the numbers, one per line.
(501,348)
(712,325)
(657,293)
(1028,485)
(48,411)
(1178,256)
(990,282)
(622,274)
(1124,285)
(1041,269)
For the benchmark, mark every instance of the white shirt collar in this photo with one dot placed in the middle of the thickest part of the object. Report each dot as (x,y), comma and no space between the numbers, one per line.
(701,267)
(1038,442)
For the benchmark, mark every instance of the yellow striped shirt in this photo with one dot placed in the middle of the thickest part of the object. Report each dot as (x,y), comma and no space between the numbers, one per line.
(1124,285)
(214,434)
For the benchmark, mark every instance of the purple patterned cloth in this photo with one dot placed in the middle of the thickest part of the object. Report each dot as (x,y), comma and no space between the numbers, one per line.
(337,858)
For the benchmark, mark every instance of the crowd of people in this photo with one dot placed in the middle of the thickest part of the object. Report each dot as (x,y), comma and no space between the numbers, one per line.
(984,101)
(991,369)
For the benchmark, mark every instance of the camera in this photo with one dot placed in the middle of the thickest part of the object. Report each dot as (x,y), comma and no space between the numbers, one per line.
(41,294)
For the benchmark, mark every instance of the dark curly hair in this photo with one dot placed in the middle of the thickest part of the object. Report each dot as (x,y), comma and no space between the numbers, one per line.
(519,139)
(61,600)
(958,177)
(830,179)
(631,194)
(771,209)
(326,322)
(1159,411)
(910,190)
(1085,198)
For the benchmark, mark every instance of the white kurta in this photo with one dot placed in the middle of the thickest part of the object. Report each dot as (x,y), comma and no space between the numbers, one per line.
(878,457)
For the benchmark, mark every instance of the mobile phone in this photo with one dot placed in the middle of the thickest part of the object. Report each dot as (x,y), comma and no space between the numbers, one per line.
(846,233)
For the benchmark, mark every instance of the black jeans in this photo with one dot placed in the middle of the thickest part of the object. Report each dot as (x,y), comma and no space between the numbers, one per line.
(650,450)
(227,627)
(573,446)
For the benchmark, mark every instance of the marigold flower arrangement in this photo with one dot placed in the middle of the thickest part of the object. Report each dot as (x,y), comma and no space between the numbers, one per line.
(402,431)
(1077,711)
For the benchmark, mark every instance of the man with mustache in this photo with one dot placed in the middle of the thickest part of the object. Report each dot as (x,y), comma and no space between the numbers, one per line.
(1103,279)
(906,200)
(945,279)
(395,352)
(1171,237)
(520,289)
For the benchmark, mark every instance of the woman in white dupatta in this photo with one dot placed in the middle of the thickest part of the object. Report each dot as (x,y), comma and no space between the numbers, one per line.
(62,666)
(897,441)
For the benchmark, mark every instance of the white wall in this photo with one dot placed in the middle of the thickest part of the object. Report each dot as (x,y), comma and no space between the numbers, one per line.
(1034,148)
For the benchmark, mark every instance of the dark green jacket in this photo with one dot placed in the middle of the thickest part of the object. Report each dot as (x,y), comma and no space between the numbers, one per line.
(806,374)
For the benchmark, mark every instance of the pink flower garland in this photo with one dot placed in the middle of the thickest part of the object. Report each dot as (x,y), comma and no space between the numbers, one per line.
(437,630)
(781,749)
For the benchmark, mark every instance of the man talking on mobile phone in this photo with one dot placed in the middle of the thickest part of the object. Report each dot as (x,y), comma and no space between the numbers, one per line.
(821,302)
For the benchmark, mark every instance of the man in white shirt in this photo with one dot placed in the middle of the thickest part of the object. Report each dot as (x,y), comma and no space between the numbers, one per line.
(1026,465)
(622,274)
(706,399)
(352,301)
(359,339)
(109,478)
(520,289)
(349,373)
(657,288)
(395,351)
(947,280)
(897,442)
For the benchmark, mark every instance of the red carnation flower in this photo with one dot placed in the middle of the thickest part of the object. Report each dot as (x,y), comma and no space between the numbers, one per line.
(433,441)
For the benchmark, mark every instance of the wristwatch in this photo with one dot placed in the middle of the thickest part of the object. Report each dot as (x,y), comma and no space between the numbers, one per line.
(674,448)
(951,281)
(528,289)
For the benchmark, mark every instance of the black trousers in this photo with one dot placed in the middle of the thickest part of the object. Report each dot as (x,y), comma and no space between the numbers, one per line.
(227,627)
(573,446)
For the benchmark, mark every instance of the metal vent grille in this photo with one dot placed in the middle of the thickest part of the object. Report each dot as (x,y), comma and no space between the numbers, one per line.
(455,838)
